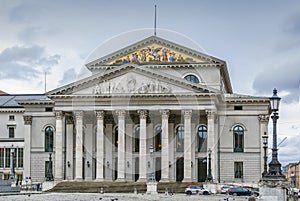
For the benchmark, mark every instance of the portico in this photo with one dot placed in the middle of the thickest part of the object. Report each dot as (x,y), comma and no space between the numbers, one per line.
(118,146)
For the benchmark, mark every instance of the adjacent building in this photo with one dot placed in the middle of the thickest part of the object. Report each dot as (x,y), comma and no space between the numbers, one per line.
(153,93)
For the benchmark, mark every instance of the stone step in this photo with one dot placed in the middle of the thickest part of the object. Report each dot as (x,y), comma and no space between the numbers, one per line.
(117,187)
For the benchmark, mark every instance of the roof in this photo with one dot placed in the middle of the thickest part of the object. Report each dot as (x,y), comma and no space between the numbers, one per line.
(2,92)
(9,101)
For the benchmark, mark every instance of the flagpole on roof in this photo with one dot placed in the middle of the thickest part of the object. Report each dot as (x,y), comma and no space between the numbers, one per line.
(45,82)
(154,20)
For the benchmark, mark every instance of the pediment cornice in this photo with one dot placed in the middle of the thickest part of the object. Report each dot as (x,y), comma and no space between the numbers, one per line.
(153,40)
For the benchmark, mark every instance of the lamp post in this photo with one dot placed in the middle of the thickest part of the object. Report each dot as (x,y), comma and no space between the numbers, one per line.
(265,142)
(151,149)
(209,175)
(49,170)
(12,168)
(274,165)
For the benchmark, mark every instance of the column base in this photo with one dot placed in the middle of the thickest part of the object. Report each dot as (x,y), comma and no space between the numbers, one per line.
(99,179)
(142,180)
(164,180)
(187,180)
(120,180)
(78,179)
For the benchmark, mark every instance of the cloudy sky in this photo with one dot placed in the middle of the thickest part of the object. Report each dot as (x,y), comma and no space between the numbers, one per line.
(259,40)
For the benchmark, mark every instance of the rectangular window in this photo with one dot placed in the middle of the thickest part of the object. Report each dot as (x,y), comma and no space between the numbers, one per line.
(20,157)
(1,157)
(49,109)
(7,157)
(238,169)
(11,117)
(11,132)
(238,107)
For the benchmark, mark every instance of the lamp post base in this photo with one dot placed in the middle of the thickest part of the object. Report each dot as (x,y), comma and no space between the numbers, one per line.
(152,187)
(273,188)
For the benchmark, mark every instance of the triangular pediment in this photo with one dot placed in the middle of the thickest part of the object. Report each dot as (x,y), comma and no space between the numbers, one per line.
(153,50)
(130,79)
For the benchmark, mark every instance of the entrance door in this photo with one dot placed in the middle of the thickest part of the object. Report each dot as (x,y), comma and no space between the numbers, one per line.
(202,169)
(158,169)
(179,169)
(136,169)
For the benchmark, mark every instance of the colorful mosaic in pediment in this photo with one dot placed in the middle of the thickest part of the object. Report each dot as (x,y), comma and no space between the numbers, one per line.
(155,54)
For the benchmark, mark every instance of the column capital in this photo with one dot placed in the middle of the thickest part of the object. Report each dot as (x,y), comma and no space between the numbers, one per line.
(27,119)
(187,114)
(165,114)
(78,115)
(120,113)
(58,115)
(210,113)
(263,118)
(100,114)
(143,114)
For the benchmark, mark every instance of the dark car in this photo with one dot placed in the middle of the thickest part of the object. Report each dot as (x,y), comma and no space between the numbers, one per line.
(239,191)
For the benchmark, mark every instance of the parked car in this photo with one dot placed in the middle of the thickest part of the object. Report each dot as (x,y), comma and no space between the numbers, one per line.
(224,189)
(255,192)
(194,189)
(239,191)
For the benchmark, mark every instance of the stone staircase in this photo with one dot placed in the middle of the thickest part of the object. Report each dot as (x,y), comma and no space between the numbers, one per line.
(6,188)
(116,187)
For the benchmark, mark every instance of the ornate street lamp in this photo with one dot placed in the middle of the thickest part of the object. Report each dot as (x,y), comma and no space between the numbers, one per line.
(12,168)
(274,165)
(151,149)
(49,176)
(209,175)
(265,142)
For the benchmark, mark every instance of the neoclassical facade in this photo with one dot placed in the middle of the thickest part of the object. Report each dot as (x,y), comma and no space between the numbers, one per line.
(153,93)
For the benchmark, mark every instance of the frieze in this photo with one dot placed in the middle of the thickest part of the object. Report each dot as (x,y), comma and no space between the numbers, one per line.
(155,54)
(131,85)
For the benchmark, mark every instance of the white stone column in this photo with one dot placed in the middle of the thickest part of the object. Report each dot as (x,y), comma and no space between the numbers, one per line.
(143,146)
(58,170)
(165,146)
(79,143)
(212,142)
(121,145)
(100,146)
(69,148)
(27,146)
(187,146)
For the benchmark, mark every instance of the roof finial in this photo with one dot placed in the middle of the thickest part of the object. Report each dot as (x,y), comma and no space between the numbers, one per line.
(155,20)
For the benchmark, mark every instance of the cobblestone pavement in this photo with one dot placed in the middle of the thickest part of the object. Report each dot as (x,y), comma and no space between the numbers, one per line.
(117,197)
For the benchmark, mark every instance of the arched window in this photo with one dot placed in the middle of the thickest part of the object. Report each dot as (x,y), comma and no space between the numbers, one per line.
(238,139)
(49,139)
(202,138)
(180,139)
(158,138)
(137,139)
(192,78)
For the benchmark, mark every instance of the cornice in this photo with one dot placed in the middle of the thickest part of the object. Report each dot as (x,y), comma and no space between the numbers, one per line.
(35,102)
(86,82)
(100,96)
(12,110)
(148,41)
